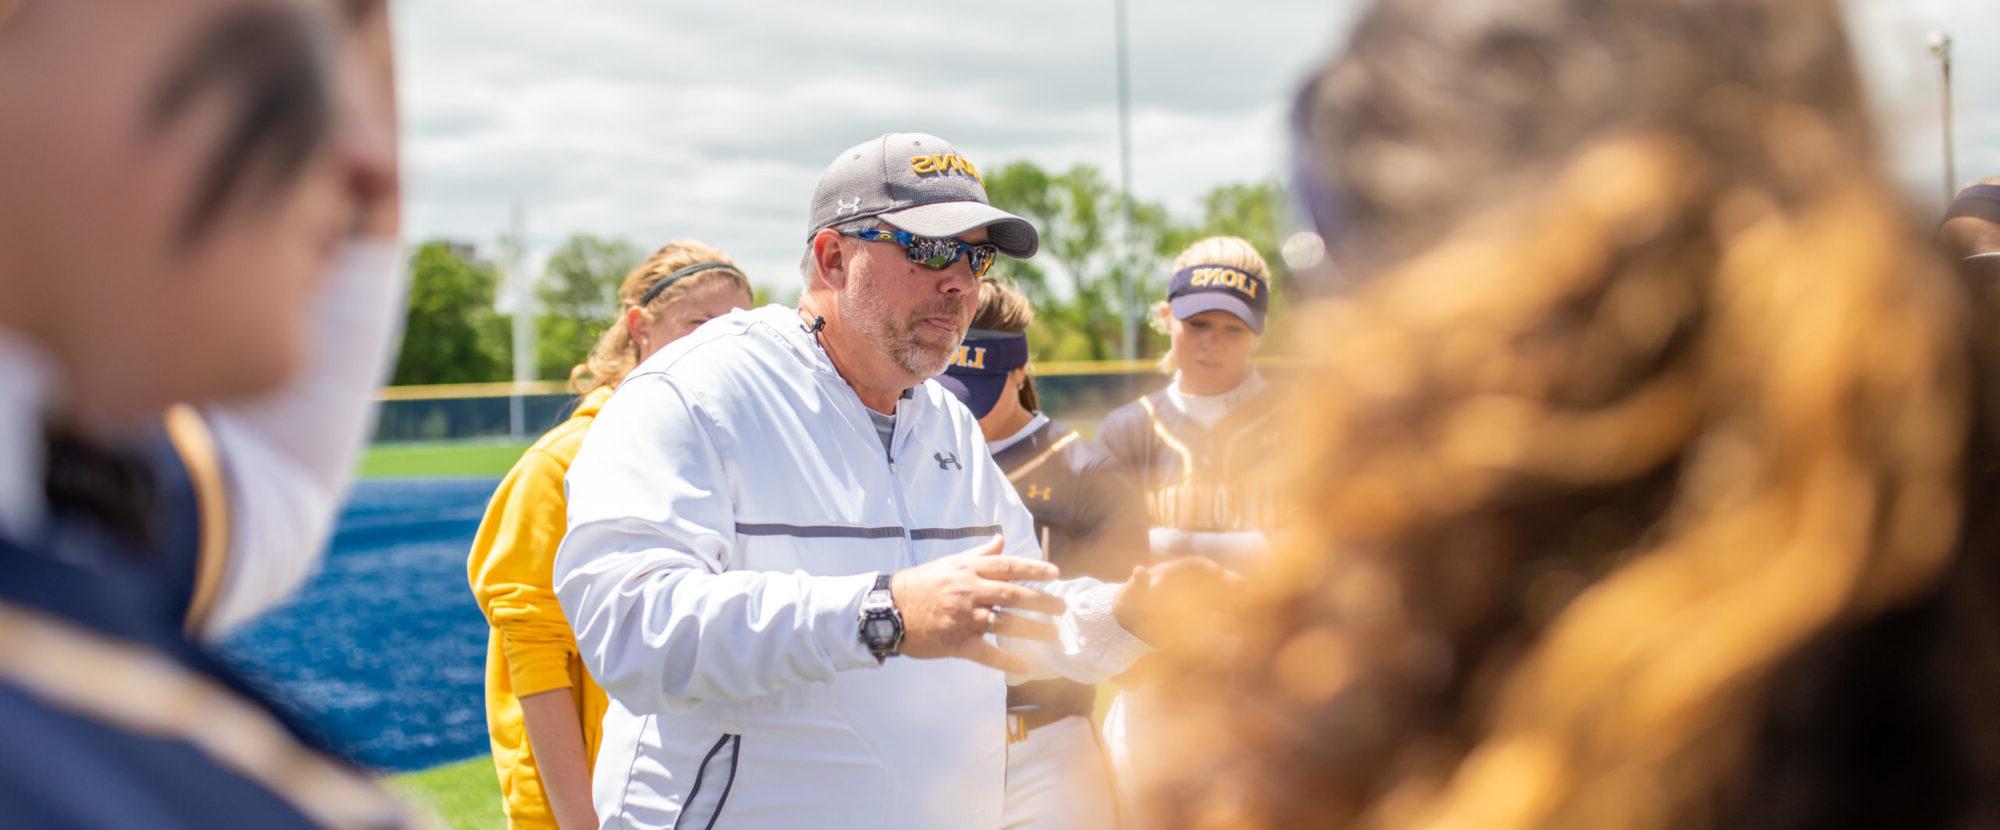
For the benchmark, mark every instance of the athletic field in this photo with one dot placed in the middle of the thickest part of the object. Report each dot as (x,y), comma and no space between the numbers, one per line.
(384,650)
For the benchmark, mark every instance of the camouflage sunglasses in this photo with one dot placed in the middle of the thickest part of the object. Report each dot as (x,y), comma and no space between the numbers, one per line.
(932,252)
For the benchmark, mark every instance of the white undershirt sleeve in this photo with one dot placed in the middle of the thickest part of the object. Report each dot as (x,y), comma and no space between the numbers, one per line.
(1092,646)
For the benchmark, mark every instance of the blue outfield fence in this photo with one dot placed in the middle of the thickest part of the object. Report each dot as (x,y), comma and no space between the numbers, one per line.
(385,649)
(484,410)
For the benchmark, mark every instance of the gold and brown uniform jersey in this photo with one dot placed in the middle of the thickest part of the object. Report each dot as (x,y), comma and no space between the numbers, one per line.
(1091,518)
(1196,478)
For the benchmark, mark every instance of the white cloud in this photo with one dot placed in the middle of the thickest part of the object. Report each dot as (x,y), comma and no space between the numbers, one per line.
(654,121)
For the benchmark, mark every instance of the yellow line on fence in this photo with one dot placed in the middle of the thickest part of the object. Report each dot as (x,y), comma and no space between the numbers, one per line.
(441,391)
(1060,368)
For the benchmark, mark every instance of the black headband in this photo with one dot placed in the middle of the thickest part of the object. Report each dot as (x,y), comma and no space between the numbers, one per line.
(1981,201)
(654,292)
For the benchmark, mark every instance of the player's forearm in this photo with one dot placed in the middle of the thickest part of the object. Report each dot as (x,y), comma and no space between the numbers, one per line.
(556,733)
(1232,549)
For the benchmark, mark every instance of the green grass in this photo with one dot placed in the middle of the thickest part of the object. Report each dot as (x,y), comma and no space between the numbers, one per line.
(450,458)
(465,795)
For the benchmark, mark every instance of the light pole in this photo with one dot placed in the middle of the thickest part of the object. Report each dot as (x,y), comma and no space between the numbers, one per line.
(521,290)
(1127,304)
(1940,47)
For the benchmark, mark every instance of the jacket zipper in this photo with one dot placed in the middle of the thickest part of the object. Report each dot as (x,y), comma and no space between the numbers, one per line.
(909,558)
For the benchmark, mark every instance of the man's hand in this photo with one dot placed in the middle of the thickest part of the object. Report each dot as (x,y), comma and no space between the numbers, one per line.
(1156,600)
(948,605)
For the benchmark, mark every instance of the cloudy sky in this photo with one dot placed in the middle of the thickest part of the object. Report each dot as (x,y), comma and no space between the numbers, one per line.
(652,120)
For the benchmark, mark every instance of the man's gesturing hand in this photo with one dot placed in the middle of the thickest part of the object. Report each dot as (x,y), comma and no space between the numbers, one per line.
(948,605)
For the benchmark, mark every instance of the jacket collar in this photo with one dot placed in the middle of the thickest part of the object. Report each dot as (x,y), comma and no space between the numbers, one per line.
(802,343)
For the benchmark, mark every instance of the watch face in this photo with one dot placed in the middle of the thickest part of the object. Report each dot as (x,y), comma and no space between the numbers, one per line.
(879,631)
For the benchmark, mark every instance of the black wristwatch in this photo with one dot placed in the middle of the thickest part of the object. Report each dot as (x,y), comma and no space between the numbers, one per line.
(881,623)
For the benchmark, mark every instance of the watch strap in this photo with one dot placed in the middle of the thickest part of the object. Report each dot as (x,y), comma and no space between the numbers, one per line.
(878,605)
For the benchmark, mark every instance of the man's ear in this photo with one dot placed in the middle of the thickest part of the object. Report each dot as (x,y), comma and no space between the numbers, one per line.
(830,258)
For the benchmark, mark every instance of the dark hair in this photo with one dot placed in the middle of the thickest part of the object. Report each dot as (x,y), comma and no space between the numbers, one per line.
(273,61)
(1629,492)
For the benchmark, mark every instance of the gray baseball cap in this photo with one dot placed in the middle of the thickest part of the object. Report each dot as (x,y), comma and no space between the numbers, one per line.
(918,183)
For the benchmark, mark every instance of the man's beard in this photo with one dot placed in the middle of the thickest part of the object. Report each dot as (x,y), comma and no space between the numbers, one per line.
(898,339)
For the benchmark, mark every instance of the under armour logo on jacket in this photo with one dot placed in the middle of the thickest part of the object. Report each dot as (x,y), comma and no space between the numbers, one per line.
(947,460)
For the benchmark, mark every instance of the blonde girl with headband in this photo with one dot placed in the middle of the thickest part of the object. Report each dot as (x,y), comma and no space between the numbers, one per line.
(1193,447)
(542,709)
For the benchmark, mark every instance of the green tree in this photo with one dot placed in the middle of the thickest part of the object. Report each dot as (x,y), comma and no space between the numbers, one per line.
(451,333)
(1023,189)
(786,294)
(1258,212)
(579,295)
(1079,213)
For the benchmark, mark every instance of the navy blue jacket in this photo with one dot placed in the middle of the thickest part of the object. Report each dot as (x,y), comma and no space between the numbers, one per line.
(115,719)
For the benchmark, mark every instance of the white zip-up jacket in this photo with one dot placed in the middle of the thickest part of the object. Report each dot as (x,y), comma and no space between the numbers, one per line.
(729,509)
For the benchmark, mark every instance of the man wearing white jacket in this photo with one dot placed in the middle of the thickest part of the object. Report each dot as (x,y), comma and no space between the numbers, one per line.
(778,522)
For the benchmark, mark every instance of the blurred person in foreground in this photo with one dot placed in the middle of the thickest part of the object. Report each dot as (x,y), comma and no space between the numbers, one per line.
(544,714)
(1090,520)
(232,499)
(785,556)
(1641,485)
(207,174)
